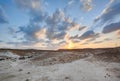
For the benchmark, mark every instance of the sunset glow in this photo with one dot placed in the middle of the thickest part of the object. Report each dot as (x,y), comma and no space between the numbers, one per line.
(51,24)
(70,45)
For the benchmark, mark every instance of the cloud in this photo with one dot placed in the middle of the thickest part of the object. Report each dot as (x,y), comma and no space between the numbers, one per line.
(69,5)
(118,38)
(107,39)
(86,5)
(57,25)
(109,13)
(28,44)
(76,26)
(3,18)
(92,39)
(1,41)
(70,2)
(97,42)
(30,5)
(82,27)
(21,44)
(29,31)
(40,45)
(40,34)
(89,34)
(111,27)
(84,43)
(34,8)
(11,30)
(118,33)
(75,41)
(74,37)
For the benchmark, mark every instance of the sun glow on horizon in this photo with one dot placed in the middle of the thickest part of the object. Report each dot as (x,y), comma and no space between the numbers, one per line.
(70,45)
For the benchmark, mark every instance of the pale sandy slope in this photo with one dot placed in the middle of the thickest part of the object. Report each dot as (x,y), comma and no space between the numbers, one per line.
(80,70)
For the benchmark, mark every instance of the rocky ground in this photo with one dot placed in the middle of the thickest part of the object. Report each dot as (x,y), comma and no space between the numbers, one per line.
(60,65)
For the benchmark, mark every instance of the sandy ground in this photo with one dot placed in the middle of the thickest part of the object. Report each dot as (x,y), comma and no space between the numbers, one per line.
(78,70)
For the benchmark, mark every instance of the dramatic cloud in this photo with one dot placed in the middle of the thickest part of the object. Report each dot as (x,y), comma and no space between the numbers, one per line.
(89,34)
(111,27)
(86,5)
(109,13)
(46,24)
(58,24)
(3,18)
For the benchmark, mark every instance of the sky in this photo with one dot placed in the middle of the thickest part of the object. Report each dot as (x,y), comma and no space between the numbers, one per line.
(59,24)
